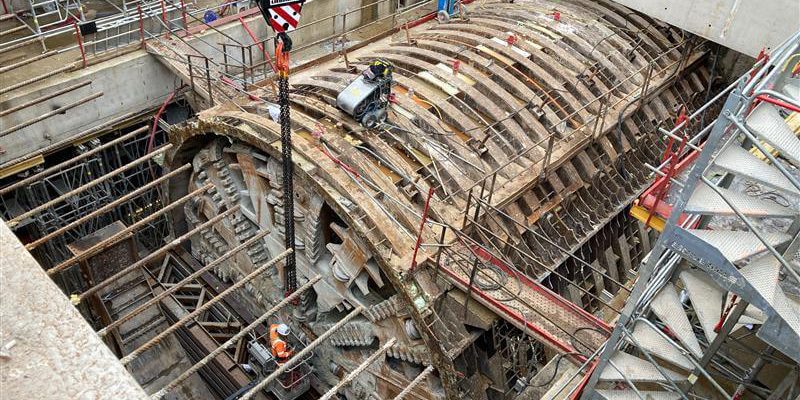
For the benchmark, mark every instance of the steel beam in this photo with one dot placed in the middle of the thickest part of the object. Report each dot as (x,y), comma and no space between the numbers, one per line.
(233,340)
(199,310)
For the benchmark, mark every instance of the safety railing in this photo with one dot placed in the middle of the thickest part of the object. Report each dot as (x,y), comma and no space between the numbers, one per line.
(594,125)
(760,79)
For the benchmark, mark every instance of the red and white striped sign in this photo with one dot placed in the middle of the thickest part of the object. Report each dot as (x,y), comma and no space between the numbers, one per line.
(284,16)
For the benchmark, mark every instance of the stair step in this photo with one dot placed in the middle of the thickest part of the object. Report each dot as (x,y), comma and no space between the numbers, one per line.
(667,306)
(738,245)
(763,275)
(629,394)
(658,346)
(635,369)
(768,124)
(706,299)
(706,201)
(739,161)
(755,314)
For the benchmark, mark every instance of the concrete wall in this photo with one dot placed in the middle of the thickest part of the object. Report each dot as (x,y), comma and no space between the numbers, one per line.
(133,82)
(137,81)
(49,351)
(746,26)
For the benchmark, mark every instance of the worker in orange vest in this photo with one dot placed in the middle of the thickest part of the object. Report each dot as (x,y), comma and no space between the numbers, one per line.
(277,341)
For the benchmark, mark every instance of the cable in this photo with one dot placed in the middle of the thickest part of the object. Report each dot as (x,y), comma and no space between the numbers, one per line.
(583,328)
(753,189)
(559,358)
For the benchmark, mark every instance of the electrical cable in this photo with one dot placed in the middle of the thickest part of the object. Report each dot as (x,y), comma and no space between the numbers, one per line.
(559,358)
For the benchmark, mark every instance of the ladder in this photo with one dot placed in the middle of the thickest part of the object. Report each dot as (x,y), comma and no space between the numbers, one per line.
(726,260)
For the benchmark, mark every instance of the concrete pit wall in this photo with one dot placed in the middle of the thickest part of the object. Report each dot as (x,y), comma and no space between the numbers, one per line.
(137,82)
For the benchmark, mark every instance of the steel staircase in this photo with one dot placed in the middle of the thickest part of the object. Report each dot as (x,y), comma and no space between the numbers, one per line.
(728,265)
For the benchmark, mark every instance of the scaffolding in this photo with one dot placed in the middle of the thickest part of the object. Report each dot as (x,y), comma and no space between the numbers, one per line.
(724,262)
(59,204)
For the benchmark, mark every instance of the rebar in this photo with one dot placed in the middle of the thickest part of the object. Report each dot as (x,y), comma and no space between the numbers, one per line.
(302,353)
(354,373)
(199,310)
(16,220)
(233,340)
(230,253)
(37,78)
(113,239)
(419,378)
(44,98)
(107,207)
(151,257)
(42,117)
(37,176)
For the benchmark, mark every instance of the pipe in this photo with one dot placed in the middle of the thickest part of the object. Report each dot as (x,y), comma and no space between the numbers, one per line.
(300,355)
(16,220)
(199,310)
(233,340)
(113,239)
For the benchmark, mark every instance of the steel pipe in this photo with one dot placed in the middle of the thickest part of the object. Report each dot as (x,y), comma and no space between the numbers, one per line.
(16,220)
(233,340)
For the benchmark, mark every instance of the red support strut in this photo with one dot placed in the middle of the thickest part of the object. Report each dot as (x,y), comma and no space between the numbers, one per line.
(421,227)
(141,25)
(79,38)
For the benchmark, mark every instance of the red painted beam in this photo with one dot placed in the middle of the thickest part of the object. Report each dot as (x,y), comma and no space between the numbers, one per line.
(539,288)
(515,315)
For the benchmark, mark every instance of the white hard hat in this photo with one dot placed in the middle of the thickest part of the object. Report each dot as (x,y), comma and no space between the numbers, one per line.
(283,329)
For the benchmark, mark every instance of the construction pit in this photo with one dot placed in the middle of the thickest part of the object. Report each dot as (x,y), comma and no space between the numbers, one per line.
(565,199)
